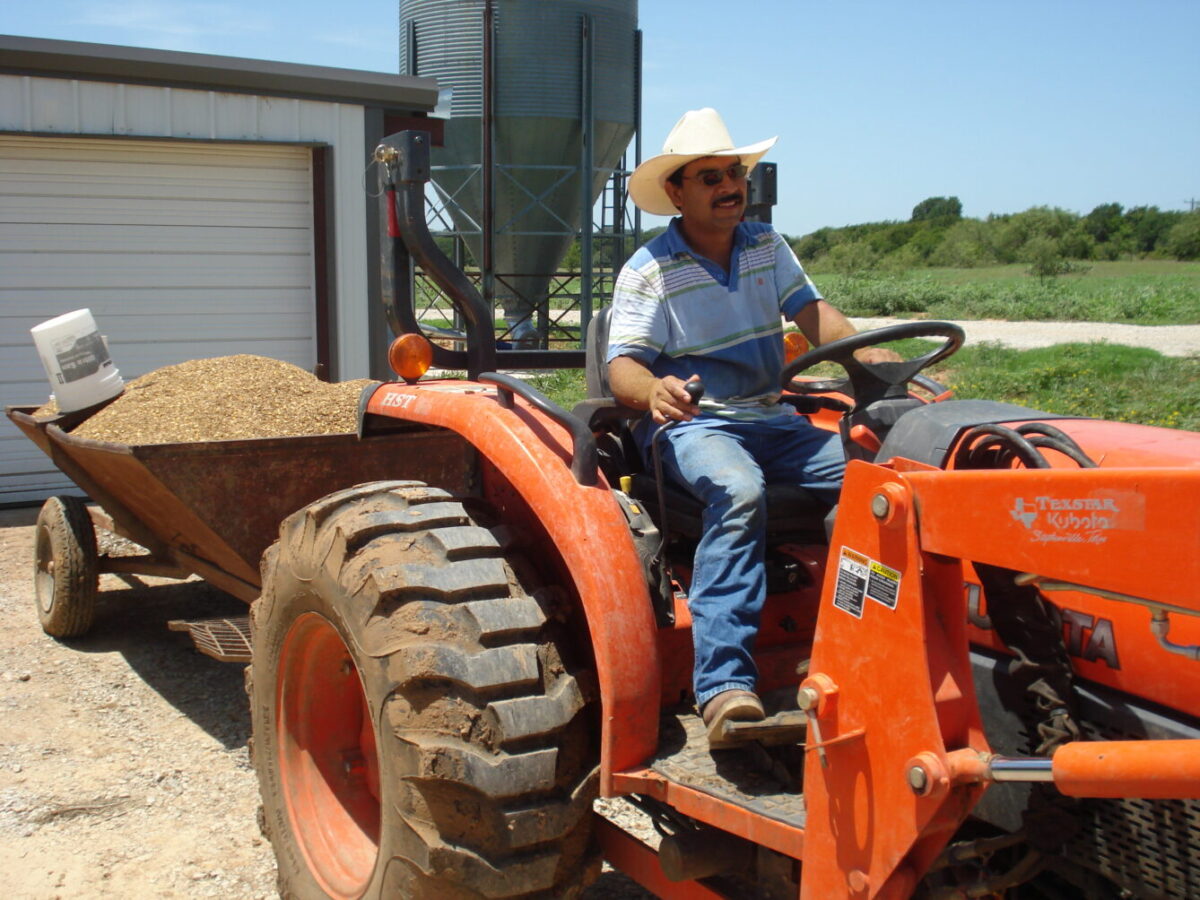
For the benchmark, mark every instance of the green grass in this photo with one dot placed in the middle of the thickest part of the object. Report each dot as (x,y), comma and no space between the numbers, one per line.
(1146,292)
(566,387)
(1106,381)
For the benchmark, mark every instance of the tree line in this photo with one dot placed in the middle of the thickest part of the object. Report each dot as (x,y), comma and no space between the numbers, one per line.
(1051,240)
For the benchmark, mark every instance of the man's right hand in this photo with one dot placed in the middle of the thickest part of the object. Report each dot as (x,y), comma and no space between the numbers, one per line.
(669,401)
(635,385)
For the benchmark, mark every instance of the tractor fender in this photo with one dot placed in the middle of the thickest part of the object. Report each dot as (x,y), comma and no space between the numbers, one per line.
(589,532)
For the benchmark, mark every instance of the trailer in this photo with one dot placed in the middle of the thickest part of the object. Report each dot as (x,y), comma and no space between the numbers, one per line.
(188,507)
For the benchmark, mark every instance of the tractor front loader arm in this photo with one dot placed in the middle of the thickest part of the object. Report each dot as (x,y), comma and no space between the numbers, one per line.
(897,756)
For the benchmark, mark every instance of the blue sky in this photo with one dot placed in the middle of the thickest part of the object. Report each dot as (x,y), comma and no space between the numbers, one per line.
(877,105)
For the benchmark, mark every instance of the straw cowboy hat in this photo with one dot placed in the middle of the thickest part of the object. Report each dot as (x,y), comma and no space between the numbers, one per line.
(699,133)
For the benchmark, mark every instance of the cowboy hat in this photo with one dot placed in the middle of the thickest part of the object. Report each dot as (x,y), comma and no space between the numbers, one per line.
(699,133)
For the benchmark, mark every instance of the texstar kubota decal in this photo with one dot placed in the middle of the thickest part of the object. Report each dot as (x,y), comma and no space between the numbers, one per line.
(1078,520)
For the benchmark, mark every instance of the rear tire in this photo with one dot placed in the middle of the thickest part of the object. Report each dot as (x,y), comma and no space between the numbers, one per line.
(419,730)
(66,567)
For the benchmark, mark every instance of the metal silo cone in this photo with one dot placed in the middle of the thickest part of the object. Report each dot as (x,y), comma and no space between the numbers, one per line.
(558,72)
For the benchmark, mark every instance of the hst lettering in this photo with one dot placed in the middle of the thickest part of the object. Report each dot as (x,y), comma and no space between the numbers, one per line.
(398,401)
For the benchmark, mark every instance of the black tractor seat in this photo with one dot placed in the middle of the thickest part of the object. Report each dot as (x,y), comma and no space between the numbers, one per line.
(792,511)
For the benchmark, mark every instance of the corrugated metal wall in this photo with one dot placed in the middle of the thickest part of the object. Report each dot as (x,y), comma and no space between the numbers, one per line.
(183,247)
(181,251)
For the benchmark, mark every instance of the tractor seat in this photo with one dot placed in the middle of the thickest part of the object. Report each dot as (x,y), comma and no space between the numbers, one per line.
(791,510)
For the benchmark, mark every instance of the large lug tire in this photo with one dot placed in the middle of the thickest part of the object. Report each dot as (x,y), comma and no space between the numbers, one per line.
(66,567)
(419,730)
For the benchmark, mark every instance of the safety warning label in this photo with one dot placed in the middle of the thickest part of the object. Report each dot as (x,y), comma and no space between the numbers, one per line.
(860,577)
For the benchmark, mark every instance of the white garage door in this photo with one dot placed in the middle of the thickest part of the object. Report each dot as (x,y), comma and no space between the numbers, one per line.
(180,250)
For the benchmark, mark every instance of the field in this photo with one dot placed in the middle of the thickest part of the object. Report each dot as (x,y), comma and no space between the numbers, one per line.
(1144,292)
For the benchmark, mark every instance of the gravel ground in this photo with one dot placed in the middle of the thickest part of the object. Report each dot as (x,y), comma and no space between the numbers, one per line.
(123,763)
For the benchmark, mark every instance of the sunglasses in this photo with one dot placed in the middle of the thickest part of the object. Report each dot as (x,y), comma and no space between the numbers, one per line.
(713,177)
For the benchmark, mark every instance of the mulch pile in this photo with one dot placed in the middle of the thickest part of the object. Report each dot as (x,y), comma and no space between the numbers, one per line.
(223,399)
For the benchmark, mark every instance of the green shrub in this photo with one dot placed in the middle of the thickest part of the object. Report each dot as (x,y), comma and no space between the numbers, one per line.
(1183,240)
(1149,294)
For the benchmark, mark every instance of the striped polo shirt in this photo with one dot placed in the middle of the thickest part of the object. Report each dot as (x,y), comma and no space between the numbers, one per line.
(680,314)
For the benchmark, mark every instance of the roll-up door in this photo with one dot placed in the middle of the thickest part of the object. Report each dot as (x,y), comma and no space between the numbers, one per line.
(181,251)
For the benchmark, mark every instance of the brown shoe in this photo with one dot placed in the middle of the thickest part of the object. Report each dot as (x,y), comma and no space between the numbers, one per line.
(730,706)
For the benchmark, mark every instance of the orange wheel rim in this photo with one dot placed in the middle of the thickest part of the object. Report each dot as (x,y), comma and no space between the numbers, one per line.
(327,757)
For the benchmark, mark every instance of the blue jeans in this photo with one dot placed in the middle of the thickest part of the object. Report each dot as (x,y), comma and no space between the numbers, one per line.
(725,465)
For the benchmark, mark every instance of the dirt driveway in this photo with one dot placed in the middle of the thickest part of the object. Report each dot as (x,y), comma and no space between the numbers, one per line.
(123,763)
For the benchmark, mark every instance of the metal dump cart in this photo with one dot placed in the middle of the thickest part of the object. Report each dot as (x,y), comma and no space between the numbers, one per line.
(207,508)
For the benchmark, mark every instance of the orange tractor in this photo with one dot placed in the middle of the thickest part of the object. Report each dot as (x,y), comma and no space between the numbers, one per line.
(982,667)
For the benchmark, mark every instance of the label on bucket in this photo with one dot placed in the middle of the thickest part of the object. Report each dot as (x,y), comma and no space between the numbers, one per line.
(81,357)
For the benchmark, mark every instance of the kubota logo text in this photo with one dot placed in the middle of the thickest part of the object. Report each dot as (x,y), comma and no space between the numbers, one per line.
(1073,520)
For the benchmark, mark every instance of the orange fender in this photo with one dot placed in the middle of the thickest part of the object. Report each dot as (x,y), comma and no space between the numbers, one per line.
(589,532)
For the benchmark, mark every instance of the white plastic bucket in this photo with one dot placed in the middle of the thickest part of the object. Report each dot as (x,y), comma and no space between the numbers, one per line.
(76,360)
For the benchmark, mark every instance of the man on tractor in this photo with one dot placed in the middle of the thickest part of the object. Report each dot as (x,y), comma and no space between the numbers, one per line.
(703,302)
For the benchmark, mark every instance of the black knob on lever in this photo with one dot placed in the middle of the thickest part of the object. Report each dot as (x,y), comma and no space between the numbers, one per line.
(695,390)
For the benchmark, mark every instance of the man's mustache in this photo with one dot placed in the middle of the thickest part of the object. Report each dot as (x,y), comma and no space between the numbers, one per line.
(736,195)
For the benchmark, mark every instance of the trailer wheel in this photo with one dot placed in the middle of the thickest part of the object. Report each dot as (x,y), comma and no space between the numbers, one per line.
(66,567)
(419,727)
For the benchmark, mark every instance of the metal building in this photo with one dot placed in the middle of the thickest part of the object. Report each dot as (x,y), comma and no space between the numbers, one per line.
(198,205)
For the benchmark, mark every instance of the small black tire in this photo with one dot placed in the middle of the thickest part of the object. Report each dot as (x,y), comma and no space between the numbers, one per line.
(419,728)
(66,567)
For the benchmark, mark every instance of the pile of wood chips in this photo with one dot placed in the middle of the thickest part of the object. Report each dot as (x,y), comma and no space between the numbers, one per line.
(224,399)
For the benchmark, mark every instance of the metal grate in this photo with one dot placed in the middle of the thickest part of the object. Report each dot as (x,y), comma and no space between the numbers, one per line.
(227,640)
(1149,847)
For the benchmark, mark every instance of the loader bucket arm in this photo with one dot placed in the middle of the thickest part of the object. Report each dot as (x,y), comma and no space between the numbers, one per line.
(901,760)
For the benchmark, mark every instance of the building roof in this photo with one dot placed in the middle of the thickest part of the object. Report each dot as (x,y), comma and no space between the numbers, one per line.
(138,65)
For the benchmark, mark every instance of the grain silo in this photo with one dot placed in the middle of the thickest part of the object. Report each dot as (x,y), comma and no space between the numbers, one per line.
(540,93)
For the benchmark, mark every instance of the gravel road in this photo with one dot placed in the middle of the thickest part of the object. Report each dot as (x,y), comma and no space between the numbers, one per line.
(123,763)
(1169,340)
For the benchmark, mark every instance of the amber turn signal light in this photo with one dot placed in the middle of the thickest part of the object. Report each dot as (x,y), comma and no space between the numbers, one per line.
(795,345)
(410,356)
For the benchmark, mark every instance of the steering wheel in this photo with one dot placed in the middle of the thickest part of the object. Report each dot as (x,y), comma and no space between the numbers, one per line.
(870,382)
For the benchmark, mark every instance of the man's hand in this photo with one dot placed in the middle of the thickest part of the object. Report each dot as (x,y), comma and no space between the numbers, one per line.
(668,401)
(634,385)
(870,355)
(822,324)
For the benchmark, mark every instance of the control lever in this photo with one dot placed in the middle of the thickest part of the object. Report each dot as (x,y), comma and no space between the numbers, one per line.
(695,390)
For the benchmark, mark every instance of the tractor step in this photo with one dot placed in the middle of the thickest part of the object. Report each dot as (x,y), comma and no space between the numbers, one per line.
(763,779)
(227,640)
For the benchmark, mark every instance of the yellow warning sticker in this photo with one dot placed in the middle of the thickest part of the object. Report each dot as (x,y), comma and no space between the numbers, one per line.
(860,577)
(883,584)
